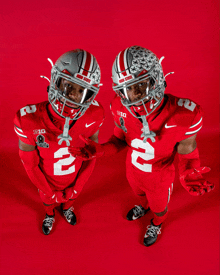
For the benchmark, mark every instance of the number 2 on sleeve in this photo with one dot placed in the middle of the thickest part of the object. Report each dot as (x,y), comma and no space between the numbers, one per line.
(28,109)
(190,105)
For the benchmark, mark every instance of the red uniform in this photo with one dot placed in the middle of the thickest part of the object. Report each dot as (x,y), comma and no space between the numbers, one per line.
(33,126)
(149,164)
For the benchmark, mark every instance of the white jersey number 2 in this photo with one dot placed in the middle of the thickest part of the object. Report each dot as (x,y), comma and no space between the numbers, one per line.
(190,105)
(28,109)
(147,155)
(58,166)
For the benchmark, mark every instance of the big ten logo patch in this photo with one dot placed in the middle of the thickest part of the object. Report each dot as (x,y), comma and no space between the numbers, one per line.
(121,114)
(39,131)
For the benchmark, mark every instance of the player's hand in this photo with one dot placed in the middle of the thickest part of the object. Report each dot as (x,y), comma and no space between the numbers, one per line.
(194,182)
(70,193)
(57,197)
(90,151)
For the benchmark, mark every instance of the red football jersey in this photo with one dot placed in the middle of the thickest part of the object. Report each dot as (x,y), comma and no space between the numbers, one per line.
(174,120)
(33,126)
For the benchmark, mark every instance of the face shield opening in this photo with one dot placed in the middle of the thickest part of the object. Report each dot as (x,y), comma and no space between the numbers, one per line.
(121,93)
(72,94)
(138,93)
(89,96)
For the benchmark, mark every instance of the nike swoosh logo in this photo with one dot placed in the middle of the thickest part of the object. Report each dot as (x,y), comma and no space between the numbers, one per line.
(170,126)
(134,218)
(87,125)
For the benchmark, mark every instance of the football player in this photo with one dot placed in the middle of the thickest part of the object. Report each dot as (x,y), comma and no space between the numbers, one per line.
(46,130)
(155,127)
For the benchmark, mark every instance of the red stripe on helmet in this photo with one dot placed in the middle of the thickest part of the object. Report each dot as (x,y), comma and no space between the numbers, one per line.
(122,63)
(142,72)
(87,64)
(66,72)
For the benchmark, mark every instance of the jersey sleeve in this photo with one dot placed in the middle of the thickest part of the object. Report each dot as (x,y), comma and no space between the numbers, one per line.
(191,120)
(196,124)
(22,134)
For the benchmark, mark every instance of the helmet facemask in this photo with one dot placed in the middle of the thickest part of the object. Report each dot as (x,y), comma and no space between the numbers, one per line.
(150,92)
(63,84)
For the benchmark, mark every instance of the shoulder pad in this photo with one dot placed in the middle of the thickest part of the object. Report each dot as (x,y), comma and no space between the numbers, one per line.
(186,115)
(183,111)
(24,120)
(96,111)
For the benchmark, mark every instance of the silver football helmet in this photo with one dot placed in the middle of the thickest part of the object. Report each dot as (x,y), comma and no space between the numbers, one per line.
(139,69)
(77,69)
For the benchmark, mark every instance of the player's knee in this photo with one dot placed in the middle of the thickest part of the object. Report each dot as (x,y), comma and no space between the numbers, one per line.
(160,214)
(47,204)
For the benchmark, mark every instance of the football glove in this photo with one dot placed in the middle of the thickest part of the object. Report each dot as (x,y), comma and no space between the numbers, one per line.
(70,193)
(94,150)
(90,151)
(194,182)
(57,197)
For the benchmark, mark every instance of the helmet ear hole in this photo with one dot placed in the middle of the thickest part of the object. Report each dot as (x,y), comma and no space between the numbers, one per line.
(48,88)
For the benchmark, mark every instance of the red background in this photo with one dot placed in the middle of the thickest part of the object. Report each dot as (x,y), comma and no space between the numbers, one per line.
(103,242)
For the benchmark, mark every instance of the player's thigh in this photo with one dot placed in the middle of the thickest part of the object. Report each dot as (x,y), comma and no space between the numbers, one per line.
(159,192)
(135,182)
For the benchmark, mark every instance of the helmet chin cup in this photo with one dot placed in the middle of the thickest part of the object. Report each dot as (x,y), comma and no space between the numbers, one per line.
(143,107)
(60,105)
(66,111)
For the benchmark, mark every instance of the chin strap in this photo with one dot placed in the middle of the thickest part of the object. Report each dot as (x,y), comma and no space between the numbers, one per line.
(65,135)
(146,131)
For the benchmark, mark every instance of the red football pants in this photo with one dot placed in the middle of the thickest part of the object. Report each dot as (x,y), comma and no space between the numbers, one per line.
(156,186)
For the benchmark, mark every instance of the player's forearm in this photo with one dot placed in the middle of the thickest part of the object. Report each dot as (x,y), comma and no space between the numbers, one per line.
(188,161)
(30,161)
(96,150)
(39,180)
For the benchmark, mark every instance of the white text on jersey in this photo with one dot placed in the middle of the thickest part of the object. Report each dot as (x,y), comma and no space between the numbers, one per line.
(121,114)
(39,131)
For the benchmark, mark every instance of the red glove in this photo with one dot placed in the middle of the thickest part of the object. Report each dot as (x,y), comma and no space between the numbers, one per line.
(193,181)
(94,150)
(90,151)
(56,198)
(70,193)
